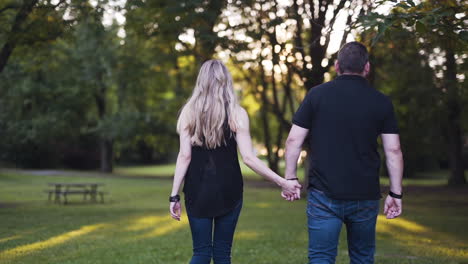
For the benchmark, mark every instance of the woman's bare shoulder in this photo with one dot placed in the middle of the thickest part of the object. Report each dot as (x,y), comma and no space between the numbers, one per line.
(242,118)
(241,112)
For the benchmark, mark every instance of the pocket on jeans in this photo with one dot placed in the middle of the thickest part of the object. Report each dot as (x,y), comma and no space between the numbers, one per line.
(367,209)
(319,205)
(317,210)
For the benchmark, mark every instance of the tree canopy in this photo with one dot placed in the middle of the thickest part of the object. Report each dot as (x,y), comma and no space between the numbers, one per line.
(80,89)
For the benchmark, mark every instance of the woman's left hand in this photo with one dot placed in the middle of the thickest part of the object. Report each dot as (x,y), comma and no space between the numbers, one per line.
(175,209)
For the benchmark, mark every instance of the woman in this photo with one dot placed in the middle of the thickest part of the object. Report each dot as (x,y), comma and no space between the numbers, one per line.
(211,126)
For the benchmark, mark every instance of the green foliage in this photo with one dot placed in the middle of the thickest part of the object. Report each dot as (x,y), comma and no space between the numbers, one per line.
(40,113)
(405,76)
(427,18)
(440,30)
(59,98)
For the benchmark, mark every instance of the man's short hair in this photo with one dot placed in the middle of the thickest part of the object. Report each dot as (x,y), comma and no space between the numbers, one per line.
(352,57)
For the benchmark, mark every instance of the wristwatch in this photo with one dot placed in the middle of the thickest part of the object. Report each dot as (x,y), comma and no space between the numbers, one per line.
(174,199)
(394,195)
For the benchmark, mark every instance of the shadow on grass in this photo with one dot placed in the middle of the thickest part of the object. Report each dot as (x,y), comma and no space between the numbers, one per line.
(420,240)
(412,240)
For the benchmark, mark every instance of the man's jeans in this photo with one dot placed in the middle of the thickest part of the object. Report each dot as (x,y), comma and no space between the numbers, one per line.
(325,219)
(207,245)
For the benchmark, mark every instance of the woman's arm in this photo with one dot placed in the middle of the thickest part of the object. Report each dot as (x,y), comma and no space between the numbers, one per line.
(183,161)
(244,142)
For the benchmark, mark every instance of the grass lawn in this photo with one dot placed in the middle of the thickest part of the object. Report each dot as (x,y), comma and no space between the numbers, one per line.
(167,170)
(134,227)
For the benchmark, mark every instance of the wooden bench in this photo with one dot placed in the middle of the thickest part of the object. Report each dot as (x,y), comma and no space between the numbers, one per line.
(65,189)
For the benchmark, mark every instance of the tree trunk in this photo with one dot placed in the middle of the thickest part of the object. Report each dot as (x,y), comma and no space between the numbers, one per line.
(12,38)
(206,38)
(455,139)
(105,144)
(457,173)
(266,124)
(107,155)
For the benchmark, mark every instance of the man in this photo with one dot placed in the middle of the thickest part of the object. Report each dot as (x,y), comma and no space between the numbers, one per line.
(343,119)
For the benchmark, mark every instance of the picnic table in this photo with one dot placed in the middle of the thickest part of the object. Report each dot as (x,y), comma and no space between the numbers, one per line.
(64,189)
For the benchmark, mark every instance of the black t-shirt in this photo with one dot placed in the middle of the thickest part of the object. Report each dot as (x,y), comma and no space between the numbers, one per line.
(345,117)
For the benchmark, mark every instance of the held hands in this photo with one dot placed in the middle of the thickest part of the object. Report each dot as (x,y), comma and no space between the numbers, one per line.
(291,190)
(175,209)
(393,207)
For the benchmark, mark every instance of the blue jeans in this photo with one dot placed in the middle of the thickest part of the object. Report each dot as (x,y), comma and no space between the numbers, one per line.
(217,246)
(325,219)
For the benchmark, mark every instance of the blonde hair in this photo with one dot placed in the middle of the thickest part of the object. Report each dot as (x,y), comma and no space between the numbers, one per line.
(205,112)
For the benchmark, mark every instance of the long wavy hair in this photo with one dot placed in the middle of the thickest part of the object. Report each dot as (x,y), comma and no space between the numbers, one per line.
(212,102)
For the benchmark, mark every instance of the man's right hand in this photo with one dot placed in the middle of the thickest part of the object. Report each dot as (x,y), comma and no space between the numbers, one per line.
(393,207)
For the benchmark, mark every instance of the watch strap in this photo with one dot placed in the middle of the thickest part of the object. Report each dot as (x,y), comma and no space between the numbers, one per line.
(174,199)
(394,195)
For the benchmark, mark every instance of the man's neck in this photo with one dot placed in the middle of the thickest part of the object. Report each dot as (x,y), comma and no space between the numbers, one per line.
(352,73)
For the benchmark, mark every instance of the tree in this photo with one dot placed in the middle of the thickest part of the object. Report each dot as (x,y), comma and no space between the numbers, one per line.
(400,70)
(42,110)
(285,53)
(78,64)
(27,22)
(438,26)
(93,54)
(166,41)
(69,86)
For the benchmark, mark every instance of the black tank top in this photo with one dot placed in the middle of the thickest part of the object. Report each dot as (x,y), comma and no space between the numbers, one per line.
(213,182)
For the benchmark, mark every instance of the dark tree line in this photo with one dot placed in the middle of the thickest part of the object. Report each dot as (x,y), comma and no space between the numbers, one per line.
(78,93)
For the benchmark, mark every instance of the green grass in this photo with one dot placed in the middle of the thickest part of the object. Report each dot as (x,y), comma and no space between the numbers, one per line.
(167,170)
(133,226)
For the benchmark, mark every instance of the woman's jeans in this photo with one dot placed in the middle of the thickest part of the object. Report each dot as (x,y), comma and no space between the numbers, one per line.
(207,245)
(325,219)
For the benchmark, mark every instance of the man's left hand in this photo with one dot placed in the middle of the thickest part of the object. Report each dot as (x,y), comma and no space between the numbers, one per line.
(393,207)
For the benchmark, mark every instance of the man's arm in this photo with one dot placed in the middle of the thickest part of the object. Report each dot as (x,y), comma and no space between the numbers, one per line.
(394,160)
(294,143)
